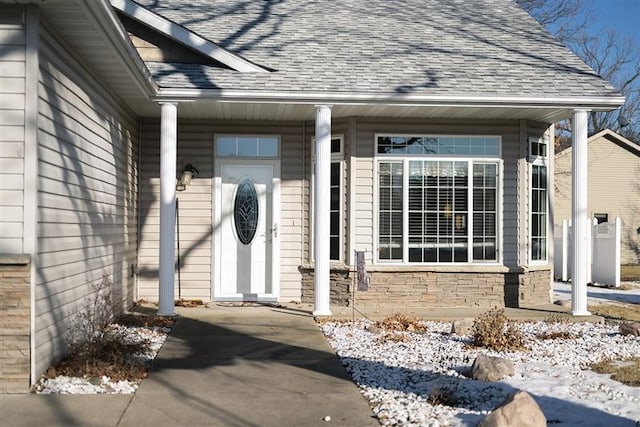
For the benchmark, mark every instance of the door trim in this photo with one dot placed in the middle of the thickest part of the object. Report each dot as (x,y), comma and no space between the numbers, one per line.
(216,237)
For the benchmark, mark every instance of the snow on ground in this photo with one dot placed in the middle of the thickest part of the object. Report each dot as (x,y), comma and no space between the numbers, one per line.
(400,378)
(600,294)
(154,336)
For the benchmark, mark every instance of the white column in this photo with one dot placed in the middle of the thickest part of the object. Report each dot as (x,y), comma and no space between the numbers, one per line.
(580,243)
(168,148)
(322,211)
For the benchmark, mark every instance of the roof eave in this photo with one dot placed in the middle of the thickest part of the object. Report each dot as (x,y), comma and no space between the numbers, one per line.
(599,103)
(104,17)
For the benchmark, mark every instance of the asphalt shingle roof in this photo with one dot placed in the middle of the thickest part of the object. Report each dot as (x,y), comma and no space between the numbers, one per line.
(418,47)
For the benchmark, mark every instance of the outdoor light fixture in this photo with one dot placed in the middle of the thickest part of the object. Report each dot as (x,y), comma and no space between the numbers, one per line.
(189,172)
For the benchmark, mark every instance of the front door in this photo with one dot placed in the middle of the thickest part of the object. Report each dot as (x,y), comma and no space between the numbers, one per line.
(246,213)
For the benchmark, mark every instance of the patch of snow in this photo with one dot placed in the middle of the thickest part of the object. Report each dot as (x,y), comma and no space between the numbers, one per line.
(400,379)
(600,294)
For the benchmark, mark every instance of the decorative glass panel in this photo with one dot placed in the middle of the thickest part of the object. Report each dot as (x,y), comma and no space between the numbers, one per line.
(245,211)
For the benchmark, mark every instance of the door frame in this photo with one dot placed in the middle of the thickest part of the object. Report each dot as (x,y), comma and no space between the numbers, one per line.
(216,243)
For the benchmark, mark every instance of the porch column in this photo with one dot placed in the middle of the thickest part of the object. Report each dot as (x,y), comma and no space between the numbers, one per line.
(166,265)
(580,243)
(322,211)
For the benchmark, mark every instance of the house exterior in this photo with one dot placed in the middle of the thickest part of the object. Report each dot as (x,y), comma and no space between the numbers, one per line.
(415,132)
(613,188)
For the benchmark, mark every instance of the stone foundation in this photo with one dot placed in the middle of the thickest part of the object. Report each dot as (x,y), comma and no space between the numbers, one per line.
(15,356)
(407,287)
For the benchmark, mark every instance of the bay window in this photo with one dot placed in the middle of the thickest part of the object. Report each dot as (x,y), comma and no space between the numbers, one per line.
(437,199)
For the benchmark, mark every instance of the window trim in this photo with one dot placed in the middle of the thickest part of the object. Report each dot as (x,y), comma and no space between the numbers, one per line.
(336,157)
(404,159)
(538,160)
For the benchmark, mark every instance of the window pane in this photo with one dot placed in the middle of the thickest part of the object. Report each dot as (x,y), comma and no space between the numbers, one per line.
(334,248)
(336,146)
(268,147)
(226,147)
(539,211)
(334,224)
(390,204)
(247,147)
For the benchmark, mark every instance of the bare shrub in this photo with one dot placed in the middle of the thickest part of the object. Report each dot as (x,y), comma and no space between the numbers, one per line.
(393,337)
(443,396)
(89,323)
(493,330)
(557,335)
(401,323)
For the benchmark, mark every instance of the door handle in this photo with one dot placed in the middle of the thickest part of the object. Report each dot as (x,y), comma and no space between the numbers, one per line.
(274,230)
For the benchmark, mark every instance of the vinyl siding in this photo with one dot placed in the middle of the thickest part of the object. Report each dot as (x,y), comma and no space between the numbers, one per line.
(612,188)
(87,188)
(366,183)
(12,134)
(195,146)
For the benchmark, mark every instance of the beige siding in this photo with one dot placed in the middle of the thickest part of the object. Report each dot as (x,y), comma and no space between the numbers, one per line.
(365,183)
(87,174)
(195,146)
(12,119)
(612,189)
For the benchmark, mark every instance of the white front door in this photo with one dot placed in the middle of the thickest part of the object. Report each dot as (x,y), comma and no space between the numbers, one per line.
(245,260)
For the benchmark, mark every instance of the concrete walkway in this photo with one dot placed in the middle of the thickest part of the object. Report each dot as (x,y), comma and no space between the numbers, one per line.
(221,366)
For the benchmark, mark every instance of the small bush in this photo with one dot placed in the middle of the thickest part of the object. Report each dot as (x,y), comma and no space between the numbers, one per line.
(493,330)
(558,335)
(393,337)
(443,396)
(401,323)
(110,356)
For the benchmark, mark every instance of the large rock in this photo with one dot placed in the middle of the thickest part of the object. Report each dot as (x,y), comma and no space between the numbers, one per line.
(489,368)
(519,409)
(630,328)
(462,326)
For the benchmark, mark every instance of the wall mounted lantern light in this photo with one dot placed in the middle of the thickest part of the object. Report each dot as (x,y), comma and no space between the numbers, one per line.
(189,172)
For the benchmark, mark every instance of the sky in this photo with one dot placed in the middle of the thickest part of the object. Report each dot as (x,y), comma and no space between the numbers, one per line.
(621,15)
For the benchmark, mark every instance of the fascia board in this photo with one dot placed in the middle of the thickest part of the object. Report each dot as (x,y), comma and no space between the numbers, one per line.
(593,103)
(111,27)
(188,38)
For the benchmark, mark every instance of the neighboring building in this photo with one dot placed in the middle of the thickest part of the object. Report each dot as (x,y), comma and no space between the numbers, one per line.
(428,123)
(613,187)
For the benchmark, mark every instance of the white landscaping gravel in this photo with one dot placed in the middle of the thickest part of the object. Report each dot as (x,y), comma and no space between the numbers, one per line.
(398,377)
(154,336)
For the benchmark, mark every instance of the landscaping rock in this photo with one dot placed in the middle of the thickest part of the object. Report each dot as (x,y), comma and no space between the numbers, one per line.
(630,328)
(489,368)
(462,326)
(519,409)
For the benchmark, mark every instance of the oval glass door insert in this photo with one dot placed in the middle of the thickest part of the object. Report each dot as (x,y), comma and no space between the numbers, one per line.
(245,211)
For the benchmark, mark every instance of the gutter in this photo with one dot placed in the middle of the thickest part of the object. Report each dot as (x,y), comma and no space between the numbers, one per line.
(335,98)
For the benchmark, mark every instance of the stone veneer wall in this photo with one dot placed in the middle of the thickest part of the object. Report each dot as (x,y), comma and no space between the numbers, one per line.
(436,289)
(15,278)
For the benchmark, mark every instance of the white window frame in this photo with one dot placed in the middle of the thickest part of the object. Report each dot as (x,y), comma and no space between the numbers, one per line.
(471,160)
(339,158)
(538,160)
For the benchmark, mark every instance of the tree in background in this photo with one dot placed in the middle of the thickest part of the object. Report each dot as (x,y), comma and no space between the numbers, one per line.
(612,56)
